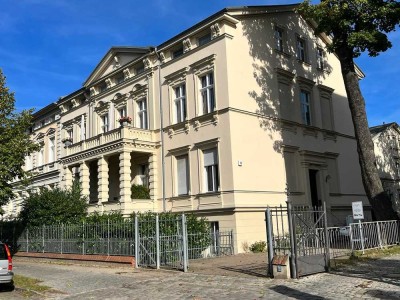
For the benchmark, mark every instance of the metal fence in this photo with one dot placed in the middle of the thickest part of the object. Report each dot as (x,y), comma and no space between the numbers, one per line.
(154,242)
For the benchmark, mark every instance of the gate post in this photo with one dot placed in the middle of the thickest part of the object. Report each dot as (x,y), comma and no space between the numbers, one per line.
(268,224)
(157,242)
(136,242)
(185,244)
(292,234)
(327,239)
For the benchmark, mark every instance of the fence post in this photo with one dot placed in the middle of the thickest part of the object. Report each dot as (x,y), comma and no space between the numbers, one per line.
(62,237)
(136,242)
(361,236)
(185,245)
(108,236)
(83,237)
(157,242)
(268,224)
(292,235)
(27,240)
(43,239)
(378,228)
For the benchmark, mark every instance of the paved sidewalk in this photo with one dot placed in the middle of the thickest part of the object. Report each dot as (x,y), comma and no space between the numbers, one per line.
(375,279)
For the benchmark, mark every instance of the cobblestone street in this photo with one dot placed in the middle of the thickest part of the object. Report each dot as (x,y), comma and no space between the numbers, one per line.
(373,279)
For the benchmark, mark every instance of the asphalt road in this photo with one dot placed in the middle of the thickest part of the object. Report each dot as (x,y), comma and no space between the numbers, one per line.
(379,279)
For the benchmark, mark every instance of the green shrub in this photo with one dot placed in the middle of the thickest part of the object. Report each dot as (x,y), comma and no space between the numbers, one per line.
(140,192)
(258,247)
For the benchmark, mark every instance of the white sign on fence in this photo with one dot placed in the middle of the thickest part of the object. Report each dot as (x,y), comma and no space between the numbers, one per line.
(358,212)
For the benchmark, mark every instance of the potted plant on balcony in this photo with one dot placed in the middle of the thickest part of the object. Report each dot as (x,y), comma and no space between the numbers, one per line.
(67,141)
(125,120)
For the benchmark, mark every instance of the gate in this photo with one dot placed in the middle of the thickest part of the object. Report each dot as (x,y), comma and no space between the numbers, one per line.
(161,242)
(299,232)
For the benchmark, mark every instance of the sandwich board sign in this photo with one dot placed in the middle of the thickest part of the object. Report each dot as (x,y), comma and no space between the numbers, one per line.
(358,212)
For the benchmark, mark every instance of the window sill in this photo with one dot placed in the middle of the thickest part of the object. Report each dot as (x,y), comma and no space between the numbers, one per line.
(307,64)
(283,53)
(209,194)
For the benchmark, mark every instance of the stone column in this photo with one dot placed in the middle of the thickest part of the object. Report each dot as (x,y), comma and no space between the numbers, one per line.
(67,177)
(84,179)
(125,176)
(103,179)
(153,176)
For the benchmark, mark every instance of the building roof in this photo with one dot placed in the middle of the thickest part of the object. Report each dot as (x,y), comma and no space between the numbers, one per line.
(381,128)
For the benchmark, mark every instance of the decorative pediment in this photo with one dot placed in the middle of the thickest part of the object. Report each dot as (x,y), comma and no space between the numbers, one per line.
(51,131)
(139,91)
(115,58)
(102,108)
(39,137)
(119,100)
(177,77)
(204,65)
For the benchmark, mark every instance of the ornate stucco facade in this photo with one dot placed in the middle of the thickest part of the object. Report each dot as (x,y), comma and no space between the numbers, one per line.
(386,140)
(225,116)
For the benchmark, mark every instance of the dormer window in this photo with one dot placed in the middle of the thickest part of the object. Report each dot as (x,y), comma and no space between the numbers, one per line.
(177,53)
(119,78)
(102,87)
(204,39)
(139,69)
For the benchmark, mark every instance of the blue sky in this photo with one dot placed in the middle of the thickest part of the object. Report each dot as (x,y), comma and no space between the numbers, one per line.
(49,47)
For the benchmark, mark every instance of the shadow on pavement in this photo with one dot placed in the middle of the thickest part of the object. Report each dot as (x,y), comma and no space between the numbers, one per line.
(253,270)
(289,292)
(381,270)
(381,294)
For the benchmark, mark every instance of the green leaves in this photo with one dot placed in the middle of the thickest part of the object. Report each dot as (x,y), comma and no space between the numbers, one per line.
(15,142)
(359,25)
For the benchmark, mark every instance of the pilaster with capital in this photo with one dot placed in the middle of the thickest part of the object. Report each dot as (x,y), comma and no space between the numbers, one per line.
(103,179)
(125,176)
(84,179)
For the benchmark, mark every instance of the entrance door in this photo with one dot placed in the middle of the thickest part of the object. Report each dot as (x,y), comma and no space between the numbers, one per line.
(315,193)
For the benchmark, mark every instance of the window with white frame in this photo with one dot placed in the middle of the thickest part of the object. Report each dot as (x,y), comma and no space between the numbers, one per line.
(104,123)
(207,93)
(278,35)
(52,152)
(305,99)
(142,114)
(180,103)
(301,49)
(143,172)
(320,58)
(41,156)
(182,166)
(28,162)
(211,176)
(70,134)
(122,112)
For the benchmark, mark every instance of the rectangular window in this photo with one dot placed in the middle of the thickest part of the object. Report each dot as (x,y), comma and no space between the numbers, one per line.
(180,103)
(120,78)
(70,135)
(204,39)
(40,156)
(305,107)
(278,34)
(142,114)
(207,93)
(211,177)
(139,69)
(102,87)
(320,58)
(122,112)
(104,123)
(301,49)
(182,165)
(52,151)
(177,53)
(143,175)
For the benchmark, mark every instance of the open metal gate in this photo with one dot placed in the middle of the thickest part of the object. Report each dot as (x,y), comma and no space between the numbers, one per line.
(299,232)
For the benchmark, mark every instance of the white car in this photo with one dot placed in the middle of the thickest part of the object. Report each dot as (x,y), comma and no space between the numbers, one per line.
(6,272)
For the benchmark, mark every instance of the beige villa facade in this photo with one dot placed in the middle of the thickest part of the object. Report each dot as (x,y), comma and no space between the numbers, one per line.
(225,118)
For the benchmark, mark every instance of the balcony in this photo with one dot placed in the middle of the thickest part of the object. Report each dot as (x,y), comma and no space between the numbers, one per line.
(118,134)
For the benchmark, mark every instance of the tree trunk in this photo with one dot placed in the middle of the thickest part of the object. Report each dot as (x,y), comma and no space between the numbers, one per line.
(379,200)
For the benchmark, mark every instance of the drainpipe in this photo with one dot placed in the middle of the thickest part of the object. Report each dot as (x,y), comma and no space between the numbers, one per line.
(161,131)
